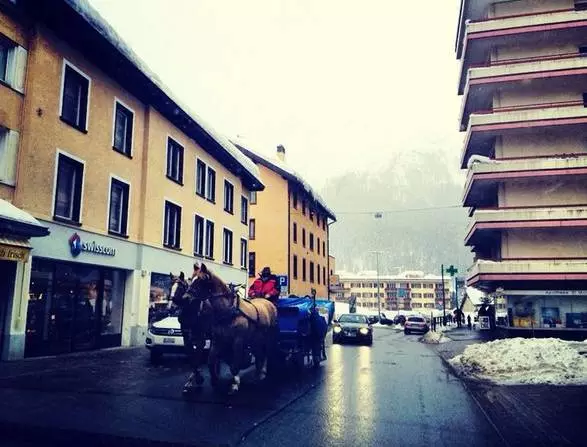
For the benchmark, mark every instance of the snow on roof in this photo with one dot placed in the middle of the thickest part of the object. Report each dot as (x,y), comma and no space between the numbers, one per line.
(273,163)
(10,212)
(475,295)
(93,17)
(525,361)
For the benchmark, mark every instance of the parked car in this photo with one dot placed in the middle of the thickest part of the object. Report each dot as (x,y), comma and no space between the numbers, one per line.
(165,337)
(416,324)
(399,319)
(385,320)
(354,327)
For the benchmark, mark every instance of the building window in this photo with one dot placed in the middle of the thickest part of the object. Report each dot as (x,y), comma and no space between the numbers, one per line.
(68,194)
(295,200)
(252,264)
(228,197)
(252,229)
(123,129)
(174,161)
(295,233)
(209,242)
(318,245)
(253,197)
(303,237)
(324,275)
(199,235)
(172,226)
(303,269)
(8,153)
(311,272)
(318,273)
(12,64)
(244,210)
(227,246)
(304,207)
(295,266)
(244,254)
(118,212)
(74,101)
(312,241)
(200,178)
(324,248)
(211,187)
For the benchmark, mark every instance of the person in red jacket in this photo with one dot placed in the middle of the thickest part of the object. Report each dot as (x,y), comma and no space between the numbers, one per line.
(266,286)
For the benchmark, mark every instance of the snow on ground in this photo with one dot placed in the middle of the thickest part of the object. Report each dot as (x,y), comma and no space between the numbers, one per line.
(524,361)
(433,338)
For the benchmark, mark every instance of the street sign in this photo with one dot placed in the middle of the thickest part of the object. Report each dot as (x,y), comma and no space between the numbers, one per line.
(282,280)
(452,271)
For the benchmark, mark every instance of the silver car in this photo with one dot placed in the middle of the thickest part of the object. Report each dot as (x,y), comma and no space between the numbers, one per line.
(416,324)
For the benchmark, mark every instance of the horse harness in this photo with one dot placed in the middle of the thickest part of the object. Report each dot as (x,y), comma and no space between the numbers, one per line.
(235,309)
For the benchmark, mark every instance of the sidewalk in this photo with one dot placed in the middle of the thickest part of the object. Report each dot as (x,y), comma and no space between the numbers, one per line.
(538,415)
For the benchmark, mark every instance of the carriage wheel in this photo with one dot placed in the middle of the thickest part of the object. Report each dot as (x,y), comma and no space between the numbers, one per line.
(298,359)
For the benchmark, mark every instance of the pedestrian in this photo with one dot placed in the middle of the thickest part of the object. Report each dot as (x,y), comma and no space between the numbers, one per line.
(469,322)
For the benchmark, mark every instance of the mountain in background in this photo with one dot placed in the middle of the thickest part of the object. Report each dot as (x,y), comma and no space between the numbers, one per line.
(411,240)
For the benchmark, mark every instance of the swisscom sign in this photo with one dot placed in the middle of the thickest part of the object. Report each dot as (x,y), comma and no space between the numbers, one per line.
(76,246)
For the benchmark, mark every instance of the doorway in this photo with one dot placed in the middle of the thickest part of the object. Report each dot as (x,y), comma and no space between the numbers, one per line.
(7,275)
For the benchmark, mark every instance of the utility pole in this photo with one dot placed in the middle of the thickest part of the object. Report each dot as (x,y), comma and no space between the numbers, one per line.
(443,297)
(378,285)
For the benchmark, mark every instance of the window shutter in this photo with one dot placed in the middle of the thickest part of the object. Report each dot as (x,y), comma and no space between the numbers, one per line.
(19,58)
(8,156)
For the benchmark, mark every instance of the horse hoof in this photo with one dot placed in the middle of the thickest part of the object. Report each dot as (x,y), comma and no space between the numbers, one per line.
(233,389)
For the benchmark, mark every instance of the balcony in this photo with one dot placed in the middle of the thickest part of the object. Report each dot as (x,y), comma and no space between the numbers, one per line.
(486,223)
(483,127)
(528,273)
(522,29)
(554,70)
(484,178)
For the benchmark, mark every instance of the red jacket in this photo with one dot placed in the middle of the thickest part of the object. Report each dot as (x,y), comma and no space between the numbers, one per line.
(260,289)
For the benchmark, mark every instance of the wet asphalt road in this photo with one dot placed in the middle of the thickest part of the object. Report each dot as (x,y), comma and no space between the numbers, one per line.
(397,392)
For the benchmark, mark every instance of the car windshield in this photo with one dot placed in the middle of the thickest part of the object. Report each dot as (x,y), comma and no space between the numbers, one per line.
(352,319)
(416,319)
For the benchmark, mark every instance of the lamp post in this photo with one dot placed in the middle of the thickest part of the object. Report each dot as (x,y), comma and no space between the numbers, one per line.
(378,215)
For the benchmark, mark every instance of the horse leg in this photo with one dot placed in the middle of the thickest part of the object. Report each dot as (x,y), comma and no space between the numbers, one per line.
(195,376)
(235,367)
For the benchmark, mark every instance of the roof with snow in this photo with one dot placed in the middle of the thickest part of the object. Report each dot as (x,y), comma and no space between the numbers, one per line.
(79,24)
(289,173)
(15,221)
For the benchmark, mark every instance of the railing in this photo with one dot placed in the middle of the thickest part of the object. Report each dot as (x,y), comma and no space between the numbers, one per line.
(551,105)
(523,60)
(525,14)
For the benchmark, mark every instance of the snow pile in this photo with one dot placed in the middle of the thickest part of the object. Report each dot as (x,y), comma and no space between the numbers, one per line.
(433,338)
(524,361)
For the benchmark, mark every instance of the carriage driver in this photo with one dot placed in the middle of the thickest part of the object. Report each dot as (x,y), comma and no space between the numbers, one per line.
(266,286)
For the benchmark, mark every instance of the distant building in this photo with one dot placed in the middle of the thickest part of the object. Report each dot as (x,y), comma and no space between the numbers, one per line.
(524,115)
(407,291)
(288,227)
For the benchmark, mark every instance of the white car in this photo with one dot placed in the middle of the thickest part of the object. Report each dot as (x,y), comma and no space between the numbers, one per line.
(165,337)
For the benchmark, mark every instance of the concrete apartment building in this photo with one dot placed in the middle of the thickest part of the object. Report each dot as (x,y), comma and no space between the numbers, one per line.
(523,83)
(289,227)
(129,184)
(408,291)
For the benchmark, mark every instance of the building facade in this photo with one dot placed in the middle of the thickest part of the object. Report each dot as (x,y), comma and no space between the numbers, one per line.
(130,184)
(409,291)
(523,81)
(289,228)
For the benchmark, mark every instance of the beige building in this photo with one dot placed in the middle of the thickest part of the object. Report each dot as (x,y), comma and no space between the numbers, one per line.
(406,291)
(129,183)
(523,81)
(289,227)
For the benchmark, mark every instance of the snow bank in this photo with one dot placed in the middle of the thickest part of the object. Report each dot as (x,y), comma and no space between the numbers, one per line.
(433,338)
(524,361)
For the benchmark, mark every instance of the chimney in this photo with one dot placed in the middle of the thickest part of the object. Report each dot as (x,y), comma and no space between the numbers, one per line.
(281,152)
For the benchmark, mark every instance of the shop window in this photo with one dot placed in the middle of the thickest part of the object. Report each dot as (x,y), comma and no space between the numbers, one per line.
(252,229)
(227,246)
(228,197)
(209,245)
(200,178)
(295,266)
(13,59)
(118,213)
(68,191)
(172,226)
(123,129)
(8,153)
(199,235)
(244,253)
(74,101)
(244,210)
(252,264)
(174,161)
(211,186)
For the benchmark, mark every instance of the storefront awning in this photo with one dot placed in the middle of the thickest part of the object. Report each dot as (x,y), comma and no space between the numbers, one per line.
(15,222)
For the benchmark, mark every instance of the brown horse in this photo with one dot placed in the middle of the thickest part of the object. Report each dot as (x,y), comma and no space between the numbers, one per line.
(237,323)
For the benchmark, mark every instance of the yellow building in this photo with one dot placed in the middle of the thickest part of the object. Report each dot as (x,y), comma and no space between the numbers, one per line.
(289,228)
(130,184)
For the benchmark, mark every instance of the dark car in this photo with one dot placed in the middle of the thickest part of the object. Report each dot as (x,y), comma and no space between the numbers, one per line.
(415,324)
(385,320)
(355,327)
(399,319)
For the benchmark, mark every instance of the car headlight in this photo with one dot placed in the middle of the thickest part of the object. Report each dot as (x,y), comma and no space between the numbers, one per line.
(337,329)
(364,331)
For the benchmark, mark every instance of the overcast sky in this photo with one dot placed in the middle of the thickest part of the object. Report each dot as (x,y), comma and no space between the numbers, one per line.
(342,84)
